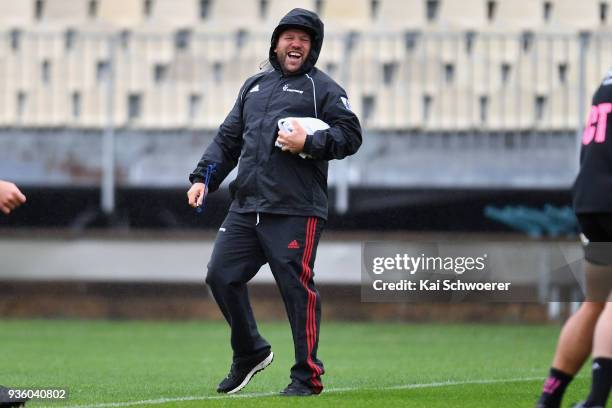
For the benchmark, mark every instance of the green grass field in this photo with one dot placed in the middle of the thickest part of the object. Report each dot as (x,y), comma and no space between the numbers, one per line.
(162,364)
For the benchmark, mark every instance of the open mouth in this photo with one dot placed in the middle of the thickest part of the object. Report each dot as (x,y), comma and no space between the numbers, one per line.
(294,55)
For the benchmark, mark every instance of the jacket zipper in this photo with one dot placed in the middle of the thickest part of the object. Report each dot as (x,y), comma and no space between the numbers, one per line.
(280,80)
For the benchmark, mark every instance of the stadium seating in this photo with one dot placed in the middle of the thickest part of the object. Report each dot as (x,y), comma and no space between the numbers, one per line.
(515,16)
(178,14)
(346,14)
(460,15)
(122,13)
(574,15)
(398,16)
(15,14)
(419,64)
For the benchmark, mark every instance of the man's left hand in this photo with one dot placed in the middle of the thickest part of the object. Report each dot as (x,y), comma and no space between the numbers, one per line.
(293,142)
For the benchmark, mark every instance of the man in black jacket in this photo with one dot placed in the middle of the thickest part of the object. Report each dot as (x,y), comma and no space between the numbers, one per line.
(279,197)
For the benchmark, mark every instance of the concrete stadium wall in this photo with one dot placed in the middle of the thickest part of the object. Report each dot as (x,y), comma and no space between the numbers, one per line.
(159,259)
(166,258)
(406,159)
(161,276)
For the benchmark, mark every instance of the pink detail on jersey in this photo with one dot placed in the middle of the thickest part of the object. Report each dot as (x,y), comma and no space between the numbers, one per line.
(597,124)
(589,130)
(551,385)
(604,109)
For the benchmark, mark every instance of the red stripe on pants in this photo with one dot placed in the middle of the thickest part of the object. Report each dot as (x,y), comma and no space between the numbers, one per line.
(311,326)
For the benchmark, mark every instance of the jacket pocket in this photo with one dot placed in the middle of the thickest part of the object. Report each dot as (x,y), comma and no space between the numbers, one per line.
(241,187)
(289,181)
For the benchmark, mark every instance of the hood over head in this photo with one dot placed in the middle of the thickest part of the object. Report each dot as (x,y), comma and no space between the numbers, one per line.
(307,21)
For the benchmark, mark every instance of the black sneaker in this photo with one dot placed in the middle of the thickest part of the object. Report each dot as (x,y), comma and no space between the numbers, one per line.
(297,389)
(239,377)
(6,401)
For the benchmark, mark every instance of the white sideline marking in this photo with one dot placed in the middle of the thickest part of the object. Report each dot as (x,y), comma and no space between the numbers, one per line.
(328,390)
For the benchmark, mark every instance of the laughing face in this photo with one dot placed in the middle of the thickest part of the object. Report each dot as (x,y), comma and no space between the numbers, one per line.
(292,49)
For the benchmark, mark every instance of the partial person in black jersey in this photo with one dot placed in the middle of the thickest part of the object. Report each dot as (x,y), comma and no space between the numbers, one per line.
(589,330)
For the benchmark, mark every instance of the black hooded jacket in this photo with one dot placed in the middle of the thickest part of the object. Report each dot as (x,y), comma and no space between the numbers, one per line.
(270,180)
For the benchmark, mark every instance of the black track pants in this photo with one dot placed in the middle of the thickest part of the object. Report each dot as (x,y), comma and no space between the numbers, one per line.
(288,243)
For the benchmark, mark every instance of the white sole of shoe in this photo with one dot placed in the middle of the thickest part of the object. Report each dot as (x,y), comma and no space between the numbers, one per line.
(266,362)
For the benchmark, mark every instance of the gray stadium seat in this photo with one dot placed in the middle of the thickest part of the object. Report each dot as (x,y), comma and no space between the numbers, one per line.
(16,14)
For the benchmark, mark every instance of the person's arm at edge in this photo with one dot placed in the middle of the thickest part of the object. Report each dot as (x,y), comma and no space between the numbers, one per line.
(10,197)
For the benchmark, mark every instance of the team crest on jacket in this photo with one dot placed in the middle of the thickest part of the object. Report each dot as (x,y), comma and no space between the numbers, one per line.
(287,89)
(346,103)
